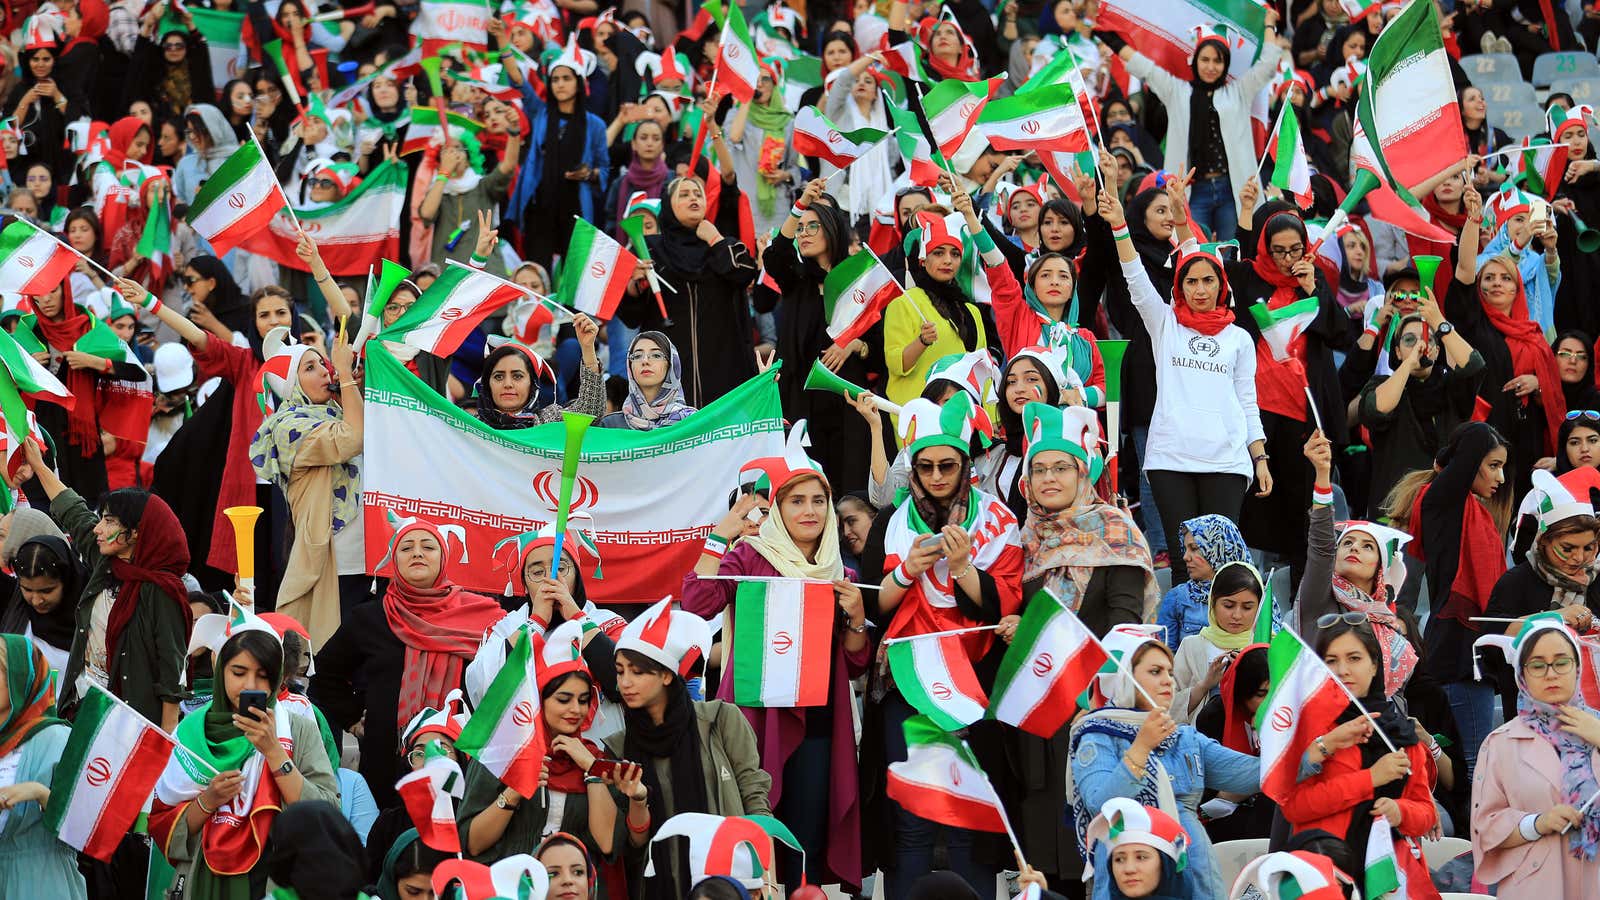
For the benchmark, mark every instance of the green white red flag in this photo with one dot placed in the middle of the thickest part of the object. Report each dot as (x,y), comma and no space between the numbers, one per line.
(1167,30)
(352,233)
(952,108)
(941,781)
(935,676)
(782,643)
(32,261)
(1043,120)
(1302,698)
(815,136)
(595,271)
(1538,165)
(428,794)
(390,274)
(1051,660)
(854,295)
(426,128)
(531,316)
(1291,171)
(442,22)
(1358,10)
(506,732)
(239,200)
(923,162)
(449,310)
(905,60)
(737,67)
(1279,327)
(106,774)
(29,379)
(155,242)
(1383,875)
(125,415)
(224,34)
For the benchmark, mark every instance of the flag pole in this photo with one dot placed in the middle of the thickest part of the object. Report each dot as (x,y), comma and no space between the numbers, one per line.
(287,206)
(1582,809)
(934,634)
(1335,678)
(101,269)
(172,737)
(901,286)
(782,578)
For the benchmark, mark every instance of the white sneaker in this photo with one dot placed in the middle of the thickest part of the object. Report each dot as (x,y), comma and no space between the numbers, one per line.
(1487,43)
(1501,45)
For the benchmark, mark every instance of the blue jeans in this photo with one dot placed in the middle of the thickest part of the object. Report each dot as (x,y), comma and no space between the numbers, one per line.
(1153,532)
(915,836)
(804,804)
(1472,703)
(1211,206)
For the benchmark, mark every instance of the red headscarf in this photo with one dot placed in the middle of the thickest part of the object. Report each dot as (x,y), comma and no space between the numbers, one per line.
(1218,317)
(1530,355)
(96,18)
(160,557)
(82,430)
(965,67)
(441,627)
(122,133)
(1235,730)
(1280,385)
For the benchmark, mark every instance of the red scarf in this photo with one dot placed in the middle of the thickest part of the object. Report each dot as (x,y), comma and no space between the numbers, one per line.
(965,68)
(160,557)
(564,774)
(441,627)
(1280,386)
(1530,355)
(1235,730)
(1211,322)
(61,334)
(122,133)
(1483,559)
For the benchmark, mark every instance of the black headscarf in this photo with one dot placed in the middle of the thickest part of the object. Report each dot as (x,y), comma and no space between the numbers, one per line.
(677,248)
(1072,213)
(677,740)
(563,148)
(313,849)
(1581,394)
(227,302)
(1153,251)
(58,626)
(540,392)
(1389,721)
(947,298)
(941,884)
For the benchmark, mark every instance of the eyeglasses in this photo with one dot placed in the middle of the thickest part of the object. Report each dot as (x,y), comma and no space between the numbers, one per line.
(189,280)
(322,182)
(1349,618)
(396,308)
(647,356)
(417,754)
(539,571)
(1572,354)
(1402,296)
(1538,667)
(1410,340)
(809,227)
(1295,252)
(174,45)
(947,467)
(1057,472)
(1588,414)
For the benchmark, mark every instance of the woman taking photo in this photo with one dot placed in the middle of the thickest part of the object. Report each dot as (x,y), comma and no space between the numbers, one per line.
(239,766)
(133,617)
(698,756)
(1206,440)
(1209,543)
(655,386)
(409,649)
(809,752)
(1237,601)
(1127,746)
(709,314)
(496,821)
(1537,771)
(33,860)
(815,237)
(1389,774)
(509,390)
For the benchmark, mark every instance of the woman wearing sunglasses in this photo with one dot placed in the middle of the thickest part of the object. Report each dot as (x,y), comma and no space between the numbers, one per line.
(1574,352)
(1375,766)
(1532,834)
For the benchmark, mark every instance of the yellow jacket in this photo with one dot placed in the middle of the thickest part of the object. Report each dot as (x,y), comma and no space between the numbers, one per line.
(901,326)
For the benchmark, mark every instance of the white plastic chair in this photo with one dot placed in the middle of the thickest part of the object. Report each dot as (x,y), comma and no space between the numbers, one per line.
(1437,853)
(1233,856)
(1453,895)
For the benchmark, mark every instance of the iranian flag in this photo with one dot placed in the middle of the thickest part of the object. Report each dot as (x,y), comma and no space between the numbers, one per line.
(125,414)
(1290,170)
(352,233)
(397,69)
(1279,327)
(905,59)
(1052,658)
(505,734)
(923,163)
(1166,30)
(1406,105)
(28,378)
(1538,166)
(106,774)
(952,108)
(595,271)
(531,316)
(428,795)
(1358,10)
(645,490)
(1045,120)
(1383,874)
(449,310)
(1388,204)
(32,262)
(224,34)
(935,676)
(782,643)
(1303,697)
(155,243)
(942,782)
(238,201)
(390,274)
(854,295)
(737,69)
(815,136)
(425,128)
(441,22)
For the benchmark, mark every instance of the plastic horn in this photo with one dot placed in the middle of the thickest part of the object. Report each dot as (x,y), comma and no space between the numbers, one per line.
(821,379)
(339,14)
(576,424)
(1588,238)
(1427,267)
(244,542)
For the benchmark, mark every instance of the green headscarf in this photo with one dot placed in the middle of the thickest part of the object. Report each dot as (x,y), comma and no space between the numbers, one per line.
(388,884)
(773,119)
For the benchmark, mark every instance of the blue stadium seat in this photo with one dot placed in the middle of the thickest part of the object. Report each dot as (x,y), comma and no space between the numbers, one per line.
(1509,93)
(1518,121)
(1551,67)
(1487,68)
(1583,90)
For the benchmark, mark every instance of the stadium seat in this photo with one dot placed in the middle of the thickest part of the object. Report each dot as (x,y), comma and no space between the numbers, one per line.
(1551,67)
(1517,122)
(1437,853)
(1583,90)
(1507,94)
(1233,856)
(1487,68)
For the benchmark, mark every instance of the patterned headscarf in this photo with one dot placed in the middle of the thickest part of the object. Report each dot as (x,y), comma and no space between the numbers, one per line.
(668,407)
(281,437)
(1219,543)
(1578,781)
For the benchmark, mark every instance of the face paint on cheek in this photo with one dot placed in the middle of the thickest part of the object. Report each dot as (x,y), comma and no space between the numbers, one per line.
(1556,549)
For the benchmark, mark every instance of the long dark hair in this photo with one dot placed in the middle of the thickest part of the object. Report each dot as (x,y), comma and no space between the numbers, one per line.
(1011,421)
(1072,213)
(1364,633)
(263,647)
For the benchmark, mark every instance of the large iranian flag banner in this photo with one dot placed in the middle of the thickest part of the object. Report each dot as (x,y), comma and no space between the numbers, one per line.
(224,34)
(353,234)
(653,495)
(441,22)
(1407,104)
(1165,30)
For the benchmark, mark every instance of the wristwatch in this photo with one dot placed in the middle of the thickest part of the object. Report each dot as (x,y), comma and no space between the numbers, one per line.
(287,767)
(500,801)
(1444,329)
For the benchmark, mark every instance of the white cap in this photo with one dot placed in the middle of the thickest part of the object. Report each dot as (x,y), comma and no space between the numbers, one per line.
(174,367)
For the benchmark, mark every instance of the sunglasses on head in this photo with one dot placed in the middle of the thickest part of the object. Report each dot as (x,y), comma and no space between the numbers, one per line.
(1349,618)
(1585,414)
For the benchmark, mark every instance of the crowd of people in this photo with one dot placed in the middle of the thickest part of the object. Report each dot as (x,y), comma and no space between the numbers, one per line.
(1077,397)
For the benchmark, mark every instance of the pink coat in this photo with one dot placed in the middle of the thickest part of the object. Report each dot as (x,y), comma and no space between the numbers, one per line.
(1518,772)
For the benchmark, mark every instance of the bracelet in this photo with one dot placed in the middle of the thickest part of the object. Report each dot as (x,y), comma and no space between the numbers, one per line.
(593,779)
(641,830)
(1120,232)
(1528,827)
(1321,496)
(324,280)
(155,305)
(963,573)
(923,342)
(1261,457)
(1322,748)
(797,209)
(345,384)
(477,261)
(440,179)
(856,629)
(1435,750)
(109,366)
(200,803)
(901,577)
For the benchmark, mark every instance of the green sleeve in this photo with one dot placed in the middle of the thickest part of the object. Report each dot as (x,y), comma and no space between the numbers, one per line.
(739,743)
(76,519)
(171,647)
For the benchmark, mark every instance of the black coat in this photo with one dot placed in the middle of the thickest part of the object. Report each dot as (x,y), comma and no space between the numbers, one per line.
(358,673)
